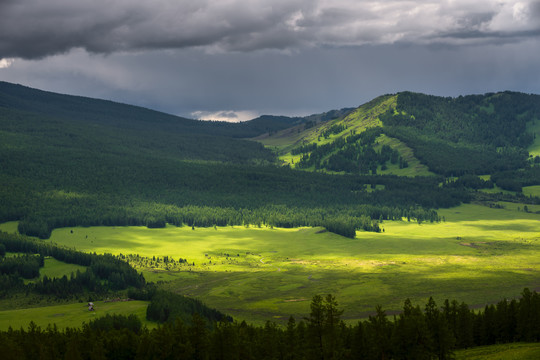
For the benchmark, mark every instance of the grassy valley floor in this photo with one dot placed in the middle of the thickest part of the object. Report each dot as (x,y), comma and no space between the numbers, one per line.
(477,255)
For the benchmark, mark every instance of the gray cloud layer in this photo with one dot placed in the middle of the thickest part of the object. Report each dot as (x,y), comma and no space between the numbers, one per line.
(33,29)
(193,84)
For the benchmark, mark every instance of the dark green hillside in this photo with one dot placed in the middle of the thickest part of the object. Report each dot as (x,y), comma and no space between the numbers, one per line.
(122,116)
(479,134)
(49,189)
(70,161)
(497,120)
(42,120)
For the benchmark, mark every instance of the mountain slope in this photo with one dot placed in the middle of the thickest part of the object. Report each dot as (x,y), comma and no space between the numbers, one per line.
(123,116)
(73,124)
(70,161)
(420,134)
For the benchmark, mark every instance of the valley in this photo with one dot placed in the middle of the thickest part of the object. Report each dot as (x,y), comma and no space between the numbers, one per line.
(477,255)
(408,196)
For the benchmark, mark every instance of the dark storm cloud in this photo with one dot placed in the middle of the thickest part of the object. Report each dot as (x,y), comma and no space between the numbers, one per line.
(217,60)
(34,29)
(240,86)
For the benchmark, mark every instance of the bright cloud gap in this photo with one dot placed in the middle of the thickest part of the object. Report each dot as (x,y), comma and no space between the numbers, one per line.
(5,63)
(225,115)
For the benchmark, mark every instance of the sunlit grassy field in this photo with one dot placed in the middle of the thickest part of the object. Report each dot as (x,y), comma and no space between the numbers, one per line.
(71,315)
(53,268)
(56,269)
(514,351)
(9,227)
(532,190)
(478,255)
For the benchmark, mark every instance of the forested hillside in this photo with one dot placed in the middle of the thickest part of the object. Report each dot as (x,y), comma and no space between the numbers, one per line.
(126,117)
(69,161)
(467,135)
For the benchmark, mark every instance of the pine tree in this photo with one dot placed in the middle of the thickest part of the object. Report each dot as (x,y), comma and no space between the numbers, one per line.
(411,338)
(380,332)
(315,325)
(332,322)
(443,340)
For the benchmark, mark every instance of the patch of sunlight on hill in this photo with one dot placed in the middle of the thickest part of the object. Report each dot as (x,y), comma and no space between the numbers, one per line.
(10,227)
(364,117)
(534,127)
(415,168)
(532,190)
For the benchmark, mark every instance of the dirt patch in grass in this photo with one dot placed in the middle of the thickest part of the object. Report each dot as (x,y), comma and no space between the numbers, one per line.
(473,245)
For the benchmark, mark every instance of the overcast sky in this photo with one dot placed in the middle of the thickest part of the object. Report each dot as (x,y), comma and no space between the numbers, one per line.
(236,59)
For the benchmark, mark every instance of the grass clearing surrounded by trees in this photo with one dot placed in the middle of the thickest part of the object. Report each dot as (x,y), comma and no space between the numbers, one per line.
(10,227)
(71,315)
(478,255)
(56,269)
(532,190)
(534,128)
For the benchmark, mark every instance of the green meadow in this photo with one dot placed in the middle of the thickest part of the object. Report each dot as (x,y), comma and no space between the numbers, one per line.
(478,255)
(532,190)
(9,227)
(56,269)
(70,315)
(514,351)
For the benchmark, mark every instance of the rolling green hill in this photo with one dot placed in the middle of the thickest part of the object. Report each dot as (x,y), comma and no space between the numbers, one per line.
(35,119)
(70,161)
(75,161)
(420,135)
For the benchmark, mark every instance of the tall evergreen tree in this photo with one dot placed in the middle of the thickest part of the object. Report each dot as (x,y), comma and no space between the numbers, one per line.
(443,340)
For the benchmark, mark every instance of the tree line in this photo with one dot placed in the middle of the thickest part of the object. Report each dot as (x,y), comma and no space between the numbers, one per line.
(152,193)
(516,180)
(25,266)
(431,332)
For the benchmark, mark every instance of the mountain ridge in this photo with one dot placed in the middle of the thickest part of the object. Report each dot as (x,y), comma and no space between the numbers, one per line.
(492,128)
(91,166)
(24,98)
